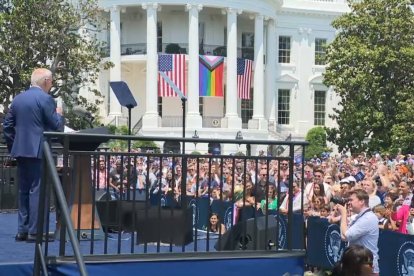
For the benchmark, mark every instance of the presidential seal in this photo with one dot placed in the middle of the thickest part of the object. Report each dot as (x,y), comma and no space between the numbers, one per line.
(228,218)
(282,231)
(196,215)
(163,201)
(334,246)
(405,259)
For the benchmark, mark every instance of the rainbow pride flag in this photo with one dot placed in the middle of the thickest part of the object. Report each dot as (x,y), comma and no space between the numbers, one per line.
(211,76)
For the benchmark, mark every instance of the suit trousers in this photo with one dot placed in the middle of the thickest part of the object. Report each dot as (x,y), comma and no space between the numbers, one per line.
(29,174)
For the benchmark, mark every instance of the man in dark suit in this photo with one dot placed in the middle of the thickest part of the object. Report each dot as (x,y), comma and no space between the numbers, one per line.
(31,113)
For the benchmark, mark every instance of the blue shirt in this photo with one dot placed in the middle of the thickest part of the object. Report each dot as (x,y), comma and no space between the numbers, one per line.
(364,231)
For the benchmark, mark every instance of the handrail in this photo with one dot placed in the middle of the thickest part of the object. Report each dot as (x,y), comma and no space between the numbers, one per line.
(50,165)
(175,139)
(137,127)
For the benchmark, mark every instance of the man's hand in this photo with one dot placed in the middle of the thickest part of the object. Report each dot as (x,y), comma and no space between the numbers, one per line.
(341,209)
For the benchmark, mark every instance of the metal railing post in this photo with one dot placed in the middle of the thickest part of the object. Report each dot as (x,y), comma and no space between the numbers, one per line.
(64,208)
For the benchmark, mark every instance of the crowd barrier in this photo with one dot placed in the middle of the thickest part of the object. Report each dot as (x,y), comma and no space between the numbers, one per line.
(325,248)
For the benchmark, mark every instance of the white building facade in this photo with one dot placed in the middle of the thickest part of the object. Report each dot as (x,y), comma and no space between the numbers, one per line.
(286,39)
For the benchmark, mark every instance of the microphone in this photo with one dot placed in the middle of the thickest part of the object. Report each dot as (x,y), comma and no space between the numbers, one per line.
(54,92)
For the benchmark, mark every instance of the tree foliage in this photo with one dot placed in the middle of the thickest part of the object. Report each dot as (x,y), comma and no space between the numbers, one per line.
(370,66)
(317,142)
(122,145)
(56,34)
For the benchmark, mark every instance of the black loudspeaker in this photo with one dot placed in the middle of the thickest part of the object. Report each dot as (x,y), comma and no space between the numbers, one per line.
(151,224)
(249,235)
(117,214)
(165,225)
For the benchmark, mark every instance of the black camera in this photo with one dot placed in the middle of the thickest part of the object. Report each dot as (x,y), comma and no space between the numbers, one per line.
(339,200)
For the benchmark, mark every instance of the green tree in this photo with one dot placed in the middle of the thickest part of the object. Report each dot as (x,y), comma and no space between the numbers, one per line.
(56,34)
(370,66)
(317,142)
(146,145)
(118,145)
(122,145)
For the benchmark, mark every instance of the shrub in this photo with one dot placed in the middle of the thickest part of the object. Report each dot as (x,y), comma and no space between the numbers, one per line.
(317,142)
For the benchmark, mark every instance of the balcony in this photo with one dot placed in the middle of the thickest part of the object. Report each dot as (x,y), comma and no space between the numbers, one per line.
(133,49)
(181,48)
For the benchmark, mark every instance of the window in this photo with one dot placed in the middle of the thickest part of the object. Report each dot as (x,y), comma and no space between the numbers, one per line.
(247,110)
(284,49)
(319,107)
(248,45)
(159,106)
(320,51)
(283,113)
(159,36)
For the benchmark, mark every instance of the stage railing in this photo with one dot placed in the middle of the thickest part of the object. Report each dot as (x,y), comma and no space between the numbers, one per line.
(8,181)
(51,179)
(119,203)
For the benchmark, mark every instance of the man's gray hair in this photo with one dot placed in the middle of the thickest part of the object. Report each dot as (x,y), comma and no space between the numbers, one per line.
(40,75)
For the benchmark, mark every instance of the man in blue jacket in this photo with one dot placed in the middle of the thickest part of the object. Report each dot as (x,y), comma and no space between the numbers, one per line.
(31,113)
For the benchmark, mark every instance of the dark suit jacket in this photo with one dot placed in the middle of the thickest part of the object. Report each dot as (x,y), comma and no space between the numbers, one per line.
(31,113)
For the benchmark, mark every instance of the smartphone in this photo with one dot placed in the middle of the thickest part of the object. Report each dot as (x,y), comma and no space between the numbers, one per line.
(359,176)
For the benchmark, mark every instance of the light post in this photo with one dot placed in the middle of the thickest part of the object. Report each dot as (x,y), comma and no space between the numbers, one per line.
(239,136)
(195,136)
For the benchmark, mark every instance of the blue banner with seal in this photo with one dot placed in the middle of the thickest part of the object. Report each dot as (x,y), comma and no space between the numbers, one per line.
(325,248)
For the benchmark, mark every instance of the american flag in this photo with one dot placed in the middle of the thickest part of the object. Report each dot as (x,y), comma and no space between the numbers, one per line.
(174,67)
(244,77)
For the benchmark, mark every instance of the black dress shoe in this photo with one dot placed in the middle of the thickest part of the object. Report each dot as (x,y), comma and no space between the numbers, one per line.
(45,237)
(21,237)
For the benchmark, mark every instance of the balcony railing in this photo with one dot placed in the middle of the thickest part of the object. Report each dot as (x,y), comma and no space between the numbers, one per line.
(177,121)
(181,48)
(212,121)
(133,49)
(172,121)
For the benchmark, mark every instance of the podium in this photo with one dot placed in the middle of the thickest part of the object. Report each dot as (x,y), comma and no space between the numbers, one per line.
(80,191)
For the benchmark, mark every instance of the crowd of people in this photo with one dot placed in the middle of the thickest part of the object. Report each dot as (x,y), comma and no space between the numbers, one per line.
(255,182)
(320,186)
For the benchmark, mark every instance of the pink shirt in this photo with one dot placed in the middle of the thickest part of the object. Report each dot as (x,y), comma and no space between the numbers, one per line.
(402,214)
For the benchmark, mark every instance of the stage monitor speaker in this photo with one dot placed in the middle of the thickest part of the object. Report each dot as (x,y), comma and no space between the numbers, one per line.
(114,213)
(242,235)
(165,225)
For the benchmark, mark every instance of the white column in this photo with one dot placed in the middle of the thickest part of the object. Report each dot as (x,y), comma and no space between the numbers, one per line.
(258,121)
(151,118)
(271,73)
(194,119)
(115,56)
(232,119)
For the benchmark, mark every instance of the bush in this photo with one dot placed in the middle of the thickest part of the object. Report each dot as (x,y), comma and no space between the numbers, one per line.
(122,145)
(317,142)
(172,48)
(146,145)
